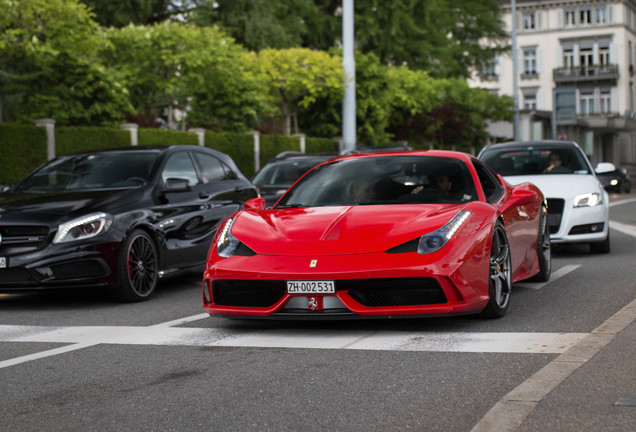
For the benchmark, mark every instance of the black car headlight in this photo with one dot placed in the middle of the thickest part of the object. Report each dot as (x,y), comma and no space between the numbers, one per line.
(434,241)
(83,228)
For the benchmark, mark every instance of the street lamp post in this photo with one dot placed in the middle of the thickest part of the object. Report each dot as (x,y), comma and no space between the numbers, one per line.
(515,71)
(349,65)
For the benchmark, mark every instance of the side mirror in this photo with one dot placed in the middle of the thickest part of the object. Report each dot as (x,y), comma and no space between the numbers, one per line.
(176,185)
(520,197)
(605,167)
(256,203)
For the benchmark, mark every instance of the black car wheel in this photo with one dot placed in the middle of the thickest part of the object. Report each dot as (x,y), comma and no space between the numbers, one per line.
(500,274)
(137,267)
(544,252)
(601,247)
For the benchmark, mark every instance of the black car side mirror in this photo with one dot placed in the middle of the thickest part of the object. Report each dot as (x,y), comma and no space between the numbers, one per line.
(176,185)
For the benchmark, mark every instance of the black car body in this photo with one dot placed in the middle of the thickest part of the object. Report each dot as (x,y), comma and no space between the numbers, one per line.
(278,174)
(614,179)
(123,218)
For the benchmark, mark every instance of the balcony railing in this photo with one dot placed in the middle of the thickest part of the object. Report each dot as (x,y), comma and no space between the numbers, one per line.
(586,73)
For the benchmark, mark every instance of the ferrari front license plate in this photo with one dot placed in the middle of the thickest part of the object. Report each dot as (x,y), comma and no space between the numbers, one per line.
(311,287)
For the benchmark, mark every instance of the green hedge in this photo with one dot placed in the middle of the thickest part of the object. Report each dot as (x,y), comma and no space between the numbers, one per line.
(239,146)
(18,160)
(164,137)
(71,139)
(321,145)
(22,149)
(271,145)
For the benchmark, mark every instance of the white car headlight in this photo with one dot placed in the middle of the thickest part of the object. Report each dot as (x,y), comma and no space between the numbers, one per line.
(227,243)
(588,200)
(83,228)
(434,241)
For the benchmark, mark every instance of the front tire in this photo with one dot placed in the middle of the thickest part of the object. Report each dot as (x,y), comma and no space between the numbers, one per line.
(500,274)
(137,267)
(544,252)
(601,247)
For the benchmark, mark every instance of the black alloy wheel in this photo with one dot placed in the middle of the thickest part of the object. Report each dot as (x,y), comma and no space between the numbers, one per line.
(500,274)
(137,267)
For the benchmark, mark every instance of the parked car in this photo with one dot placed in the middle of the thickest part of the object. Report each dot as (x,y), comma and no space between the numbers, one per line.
(578,206)
(612,178)
(381,235)
(278,174)
(377,149)
(123,218)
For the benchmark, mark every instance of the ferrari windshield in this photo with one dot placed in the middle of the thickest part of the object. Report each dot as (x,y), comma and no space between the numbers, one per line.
(403,179)
(536,159)
(91,171)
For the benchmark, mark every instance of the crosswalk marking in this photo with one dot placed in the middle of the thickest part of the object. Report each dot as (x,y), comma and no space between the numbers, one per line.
(493,342)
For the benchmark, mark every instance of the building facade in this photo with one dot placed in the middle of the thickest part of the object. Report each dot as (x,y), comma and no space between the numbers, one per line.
(575,75)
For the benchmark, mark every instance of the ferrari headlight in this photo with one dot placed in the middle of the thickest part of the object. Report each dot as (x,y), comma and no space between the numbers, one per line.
(83,228)
(227,243)
(434,241)
(588,200)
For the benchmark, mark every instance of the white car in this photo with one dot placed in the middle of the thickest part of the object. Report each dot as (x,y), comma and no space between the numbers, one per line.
(578,205)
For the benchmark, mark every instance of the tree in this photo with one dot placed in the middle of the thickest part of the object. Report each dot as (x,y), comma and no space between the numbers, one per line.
(193,69)
(445,37)
(120,13)
(298,77)
(44,42)
(261,24)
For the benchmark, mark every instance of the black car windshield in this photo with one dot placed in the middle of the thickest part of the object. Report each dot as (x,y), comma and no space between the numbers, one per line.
(285,172)
(106,170)
(534,160)
(404,179)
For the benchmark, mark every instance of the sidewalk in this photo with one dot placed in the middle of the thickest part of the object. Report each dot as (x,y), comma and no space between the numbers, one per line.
(598,396)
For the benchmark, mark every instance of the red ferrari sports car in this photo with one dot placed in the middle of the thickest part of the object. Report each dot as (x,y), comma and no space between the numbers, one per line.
(381,235)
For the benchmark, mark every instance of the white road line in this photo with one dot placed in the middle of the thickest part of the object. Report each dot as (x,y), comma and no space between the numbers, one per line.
(531,343)
(553,276)
(624,201)
(511,411)
(630,230)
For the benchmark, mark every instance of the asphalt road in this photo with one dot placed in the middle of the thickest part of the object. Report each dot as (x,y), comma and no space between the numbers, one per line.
(78,362)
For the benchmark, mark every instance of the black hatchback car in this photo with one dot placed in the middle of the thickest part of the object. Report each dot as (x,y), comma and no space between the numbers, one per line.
(123,218)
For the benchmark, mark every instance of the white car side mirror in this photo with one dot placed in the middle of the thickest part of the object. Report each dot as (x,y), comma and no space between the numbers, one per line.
(604,167)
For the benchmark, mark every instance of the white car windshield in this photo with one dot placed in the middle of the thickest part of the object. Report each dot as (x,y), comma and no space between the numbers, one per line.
(535,160)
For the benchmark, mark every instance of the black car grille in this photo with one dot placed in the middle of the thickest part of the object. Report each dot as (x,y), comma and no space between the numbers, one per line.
(367,292)
(247,293)
(22,239)
(394,292)
(555,213)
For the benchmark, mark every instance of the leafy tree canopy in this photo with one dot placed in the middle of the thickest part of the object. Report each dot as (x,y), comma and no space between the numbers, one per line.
(299,76)
(198,69)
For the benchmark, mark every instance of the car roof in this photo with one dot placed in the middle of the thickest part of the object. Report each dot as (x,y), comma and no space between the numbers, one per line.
(526,144)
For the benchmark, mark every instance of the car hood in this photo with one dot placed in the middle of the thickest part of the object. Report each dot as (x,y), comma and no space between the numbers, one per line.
(52,208)
(564,186)
(338,230)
